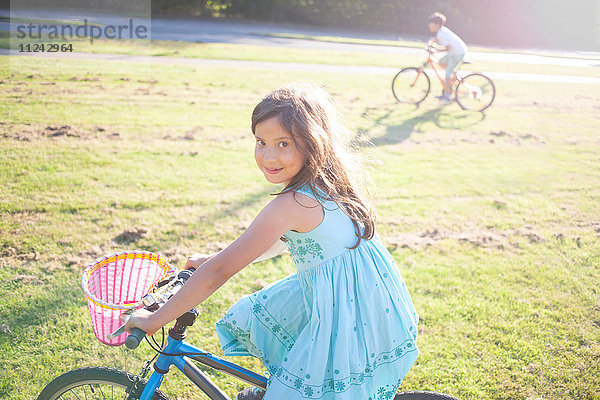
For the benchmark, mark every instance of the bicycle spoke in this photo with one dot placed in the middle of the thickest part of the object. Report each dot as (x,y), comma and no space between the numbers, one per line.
(103,396)
(78,398)
(95,391)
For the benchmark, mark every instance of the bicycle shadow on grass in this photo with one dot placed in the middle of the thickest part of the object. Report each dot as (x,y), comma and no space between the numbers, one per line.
(400,122)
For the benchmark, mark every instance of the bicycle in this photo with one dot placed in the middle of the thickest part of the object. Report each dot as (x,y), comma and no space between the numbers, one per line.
(101,382)
(474,91)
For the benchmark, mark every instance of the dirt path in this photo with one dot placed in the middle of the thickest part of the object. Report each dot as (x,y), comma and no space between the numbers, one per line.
(349,69)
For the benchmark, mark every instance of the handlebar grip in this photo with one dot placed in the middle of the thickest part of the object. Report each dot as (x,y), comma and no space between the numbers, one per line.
(135,337)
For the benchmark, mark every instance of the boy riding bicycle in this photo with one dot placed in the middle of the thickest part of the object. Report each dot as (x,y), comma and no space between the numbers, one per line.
(454,47)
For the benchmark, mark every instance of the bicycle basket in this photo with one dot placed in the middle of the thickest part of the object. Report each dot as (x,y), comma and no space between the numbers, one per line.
(117,282)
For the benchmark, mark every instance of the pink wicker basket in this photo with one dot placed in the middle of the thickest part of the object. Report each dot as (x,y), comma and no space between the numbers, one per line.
(116,283)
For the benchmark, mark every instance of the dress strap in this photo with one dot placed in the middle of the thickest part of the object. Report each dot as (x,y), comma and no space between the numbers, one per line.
(328,205)
(305,189)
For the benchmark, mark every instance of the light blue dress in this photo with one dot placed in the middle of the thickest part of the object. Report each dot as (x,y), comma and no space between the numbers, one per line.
(343,327)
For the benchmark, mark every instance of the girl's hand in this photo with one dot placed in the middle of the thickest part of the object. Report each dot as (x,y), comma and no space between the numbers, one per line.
(142,319)
(197,260)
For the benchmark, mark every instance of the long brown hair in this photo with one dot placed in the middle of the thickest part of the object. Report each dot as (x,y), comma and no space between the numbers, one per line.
(309,115)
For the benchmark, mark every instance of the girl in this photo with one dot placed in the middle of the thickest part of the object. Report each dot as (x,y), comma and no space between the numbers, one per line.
(343,327)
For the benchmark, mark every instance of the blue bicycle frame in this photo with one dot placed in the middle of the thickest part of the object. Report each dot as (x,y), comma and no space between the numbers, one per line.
(194,374)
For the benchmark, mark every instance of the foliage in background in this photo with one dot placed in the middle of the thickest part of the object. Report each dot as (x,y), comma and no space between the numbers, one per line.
(548,23)
(132,7)
(571,24)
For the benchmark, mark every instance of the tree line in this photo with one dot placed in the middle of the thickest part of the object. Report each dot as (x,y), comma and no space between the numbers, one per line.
(544,23)
(568,24)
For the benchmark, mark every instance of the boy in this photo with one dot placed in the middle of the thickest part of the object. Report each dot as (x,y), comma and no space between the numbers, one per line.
(453,45)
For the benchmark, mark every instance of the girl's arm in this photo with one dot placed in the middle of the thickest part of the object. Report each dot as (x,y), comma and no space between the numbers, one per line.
(279,216)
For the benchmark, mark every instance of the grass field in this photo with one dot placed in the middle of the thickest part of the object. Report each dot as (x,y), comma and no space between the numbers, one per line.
(493,219)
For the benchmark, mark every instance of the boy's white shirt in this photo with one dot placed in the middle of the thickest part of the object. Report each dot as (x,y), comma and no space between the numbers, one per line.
(273,251)
(446,37)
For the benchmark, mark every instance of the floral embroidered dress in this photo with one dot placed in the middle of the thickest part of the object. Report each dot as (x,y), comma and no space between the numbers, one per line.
(342,328)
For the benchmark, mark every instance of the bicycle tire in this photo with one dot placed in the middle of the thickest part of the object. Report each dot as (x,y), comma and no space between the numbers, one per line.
(422,395)
(462,101)
(79,378)
(406,93)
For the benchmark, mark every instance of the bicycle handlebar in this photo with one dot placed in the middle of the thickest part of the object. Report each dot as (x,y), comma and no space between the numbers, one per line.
(137,335)
(430,48)
(134,339)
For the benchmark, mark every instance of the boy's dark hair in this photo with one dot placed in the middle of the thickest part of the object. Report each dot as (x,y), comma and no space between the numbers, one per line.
(438,18)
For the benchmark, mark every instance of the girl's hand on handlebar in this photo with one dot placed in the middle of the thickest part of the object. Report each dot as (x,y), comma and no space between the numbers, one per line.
(142,319)
(197,260)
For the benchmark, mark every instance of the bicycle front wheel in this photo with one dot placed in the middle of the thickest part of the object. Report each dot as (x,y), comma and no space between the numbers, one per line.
(96,383)
(411,85)
(419,395)
(475,92)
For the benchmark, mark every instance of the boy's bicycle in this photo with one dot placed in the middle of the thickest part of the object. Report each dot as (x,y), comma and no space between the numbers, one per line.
(109,383)
(474,91)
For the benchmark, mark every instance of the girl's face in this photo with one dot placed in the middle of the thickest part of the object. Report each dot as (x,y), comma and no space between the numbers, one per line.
(276,153)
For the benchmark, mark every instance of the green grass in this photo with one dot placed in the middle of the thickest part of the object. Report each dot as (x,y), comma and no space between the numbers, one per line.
(492,219)
(228,51)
